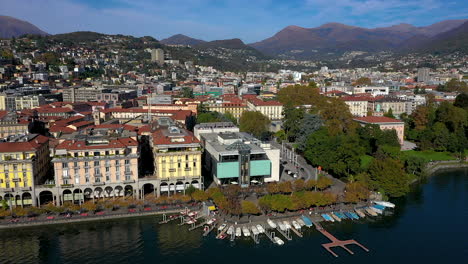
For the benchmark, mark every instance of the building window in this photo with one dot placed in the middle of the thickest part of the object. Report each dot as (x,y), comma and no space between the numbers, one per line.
(96,164)
(117,163)
(127,162)
(75,164)
(194,164)
(77,180)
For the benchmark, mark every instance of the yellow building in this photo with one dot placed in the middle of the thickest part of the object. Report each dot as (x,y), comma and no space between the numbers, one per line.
(10,125)
(24,164)
(177,158)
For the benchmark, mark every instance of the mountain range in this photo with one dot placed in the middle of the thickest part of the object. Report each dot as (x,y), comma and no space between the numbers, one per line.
(13,27)
(331,39)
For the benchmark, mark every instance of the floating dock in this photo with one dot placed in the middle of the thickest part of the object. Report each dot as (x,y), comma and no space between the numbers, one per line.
(336,242)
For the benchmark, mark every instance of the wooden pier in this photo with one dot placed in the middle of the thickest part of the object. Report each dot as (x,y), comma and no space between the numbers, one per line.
(286,234)
(297,232)
(336,242)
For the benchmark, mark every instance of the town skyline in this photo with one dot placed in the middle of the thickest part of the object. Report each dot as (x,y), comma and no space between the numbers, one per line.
(231,19)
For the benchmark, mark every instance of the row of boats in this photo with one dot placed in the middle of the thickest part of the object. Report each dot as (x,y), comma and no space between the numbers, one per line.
(373,210)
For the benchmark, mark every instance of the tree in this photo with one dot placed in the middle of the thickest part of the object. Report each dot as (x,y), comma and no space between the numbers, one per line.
(285,187)
(292,121)
(389,176)
(298,185)
(355,192)
(389,113)
(89,206)
(363,81)
(249,208)
(296,95)
(190,190)
(309,124)
(254,123)
(310,184)
(461,101)
(199,195)
(324,182)
(187,92)
(273,187)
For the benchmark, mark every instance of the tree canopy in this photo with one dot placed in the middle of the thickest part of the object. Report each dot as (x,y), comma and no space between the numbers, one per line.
(254,123)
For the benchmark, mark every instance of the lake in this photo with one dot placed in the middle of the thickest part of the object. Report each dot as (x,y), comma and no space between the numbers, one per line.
(428,226)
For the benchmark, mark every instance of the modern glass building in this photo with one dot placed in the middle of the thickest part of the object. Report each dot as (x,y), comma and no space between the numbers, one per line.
(239,158)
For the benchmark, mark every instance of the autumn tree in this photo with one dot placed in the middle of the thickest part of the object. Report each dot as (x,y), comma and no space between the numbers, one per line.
(249,208)
(355,192)
(199,195)
(324,182)
(363,81)
(254,123)
(389,176)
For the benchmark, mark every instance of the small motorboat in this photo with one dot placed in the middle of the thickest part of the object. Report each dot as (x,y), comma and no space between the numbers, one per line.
(221,227)
(238,232)
(335,216)
(348,215)
(246,231)
(222,236)
(287,224)
(282,227)
(211,221)
(376,209)
(306,221)
(260,229)
(360,213)
(386,204)
(254,230)
(370,212)
(206,228)
(300,222)
(230,231)
(278,241)
(271,223)
(296,225)
(354,215)
(192,213)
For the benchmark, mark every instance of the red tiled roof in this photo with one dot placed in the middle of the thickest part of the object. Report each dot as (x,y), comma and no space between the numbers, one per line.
(116,126)
(3,114)
(31,145)
(54,110)
(82,124)
(160,139)
(81,145)
(377,119)
(63,129)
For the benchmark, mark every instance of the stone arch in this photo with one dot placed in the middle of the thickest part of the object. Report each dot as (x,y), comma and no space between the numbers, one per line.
(148,188)
(128,191)
(45,197)
(118,191)
(164,187)
(27,198)
(196,184)
(67,195)
(98,192)
(179,186)
(172,187)
(88,193)
(108,190)
(78,195)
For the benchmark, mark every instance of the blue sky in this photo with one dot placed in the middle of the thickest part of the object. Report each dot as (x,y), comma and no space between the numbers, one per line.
(249,20)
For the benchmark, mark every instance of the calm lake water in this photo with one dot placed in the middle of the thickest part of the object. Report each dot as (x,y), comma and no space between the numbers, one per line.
(428,226)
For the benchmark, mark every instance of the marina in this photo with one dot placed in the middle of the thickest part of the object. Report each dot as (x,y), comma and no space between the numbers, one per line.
(284,227)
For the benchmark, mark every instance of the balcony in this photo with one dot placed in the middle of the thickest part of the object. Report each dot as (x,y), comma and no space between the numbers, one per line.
(129,181)
(99,183)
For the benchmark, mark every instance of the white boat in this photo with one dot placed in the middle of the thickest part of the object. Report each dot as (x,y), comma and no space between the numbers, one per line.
(376,210)
(300,222)
(260,229)
(370,211)
(254,230)
(279,241)
(192,213)
(296,225)
(222,227)
(282,226)
(386,204)
(238,232)
(360,213)
(211,221)
(246,231)
(335,217)
(271,223)
(287,225)
(230,230)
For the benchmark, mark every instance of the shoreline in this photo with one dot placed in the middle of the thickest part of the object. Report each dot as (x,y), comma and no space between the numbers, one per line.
(431,168)
(85,219)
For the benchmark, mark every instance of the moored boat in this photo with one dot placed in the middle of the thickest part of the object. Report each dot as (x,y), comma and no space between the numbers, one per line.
(221,227)
(300,222)
(336,217)
(370,212)
(377,210)
(238,232)
(230,230)
(287,224)
(260,229)
(348,215)
(279,241)
(354,215)
(306,221)
(296,225)
(281,226)
(246,231)
(254,230)
(271,223)
(386,204)
(360,213)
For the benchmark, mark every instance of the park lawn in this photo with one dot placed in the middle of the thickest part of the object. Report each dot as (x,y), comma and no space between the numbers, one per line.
(430,155)
(365,161)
